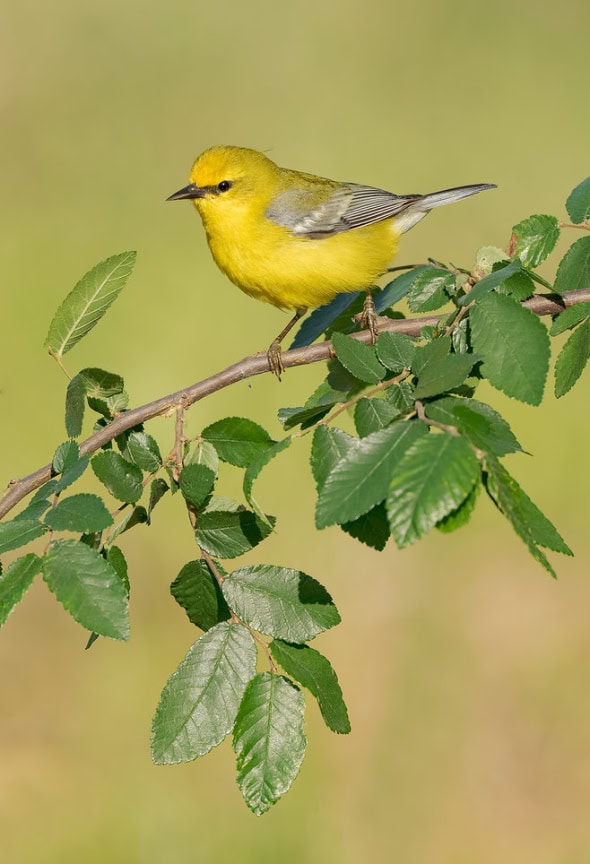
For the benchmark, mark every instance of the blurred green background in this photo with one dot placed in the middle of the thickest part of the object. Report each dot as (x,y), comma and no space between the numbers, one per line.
(465,667)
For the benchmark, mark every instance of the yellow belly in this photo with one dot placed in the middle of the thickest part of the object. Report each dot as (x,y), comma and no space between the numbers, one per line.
(297,272)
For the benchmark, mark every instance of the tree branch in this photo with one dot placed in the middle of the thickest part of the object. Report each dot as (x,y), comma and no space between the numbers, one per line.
(257,364)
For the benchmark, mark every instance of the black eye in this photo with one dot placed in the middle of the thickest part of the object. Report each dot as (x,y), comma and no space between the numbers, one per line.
(224,185)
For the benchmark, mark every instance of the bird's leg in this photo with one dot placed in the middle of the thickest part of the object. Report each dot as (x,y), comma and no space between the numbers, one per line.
(369,319)
(274,352)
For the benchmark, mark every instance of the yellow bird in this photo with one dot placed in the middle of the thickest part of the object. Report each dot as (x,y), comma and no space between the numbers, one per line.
(296,240)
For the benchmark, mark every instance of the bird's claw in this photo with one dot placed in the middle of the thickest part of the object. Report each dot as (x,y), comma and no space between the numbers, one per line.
(369,320)
(275,358)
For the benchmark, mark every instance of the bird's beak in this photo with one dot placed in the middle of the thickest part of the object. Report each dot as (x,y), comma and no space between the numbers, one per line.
(190,191)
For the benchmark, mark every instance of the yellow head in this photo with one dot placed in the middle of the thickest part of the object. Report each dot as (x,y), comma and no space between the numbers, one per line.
(227,178)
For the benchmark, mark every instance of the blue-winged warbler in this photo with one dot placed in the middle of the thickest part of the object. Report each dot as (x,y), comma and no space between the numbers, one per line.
(296,240)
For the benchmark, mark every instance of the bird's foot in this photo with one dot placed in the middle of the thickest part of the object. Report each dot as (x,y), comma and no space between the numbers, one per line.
(369,320)
(275,358)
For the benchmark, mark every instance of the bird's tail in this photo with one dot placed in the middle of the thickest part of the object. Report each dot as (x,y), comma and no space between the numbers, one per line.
(419,205)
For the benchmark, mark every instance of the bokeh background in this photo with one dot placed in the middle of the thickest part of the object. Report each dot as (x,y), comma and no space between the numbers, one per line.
(465,667)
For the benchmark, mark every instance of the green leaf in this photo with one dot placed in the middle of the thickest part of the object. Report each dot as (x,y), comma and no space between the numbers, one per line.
(395,351)
(237,440)
(370,415)
(574,268)
(572,359)
(204,454)
(444,374)
(397,289)
(359,359)
(461,515)
(34,510)
(268,740)
(199,703)
(514,346)
(144,451)
(478,422)
(525,517)
(158,489)
(429,289)
(520,286)
(321,318)
(371,528)
(72,473)
(280,602)
(493,280)
(255,467)
(314,672)
(83,512)
(578,202)
(432,352)
(88,587)
(569,318)
(66,455)
(196,484)
(536,238)
(75,405)
(87,302)
(320,401)
(197,591)
(117,561)
(360,480)
(227,534)
(15,581)
(330,445)
(122,479)
(133,517)
(18,533)
(100,383)
(431,480)
(401,396)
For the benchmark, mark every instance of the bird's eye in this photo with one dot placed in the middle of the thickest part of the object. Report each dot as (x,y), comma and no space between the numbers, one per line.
(224,185)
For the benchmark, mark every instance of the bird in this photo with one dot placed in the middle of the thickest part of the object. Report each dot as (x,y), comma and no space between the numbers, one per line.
(296,240)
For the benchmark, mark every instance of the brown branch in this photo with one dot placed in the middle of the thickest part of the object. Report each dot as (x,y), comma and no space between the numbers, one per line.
(257,364)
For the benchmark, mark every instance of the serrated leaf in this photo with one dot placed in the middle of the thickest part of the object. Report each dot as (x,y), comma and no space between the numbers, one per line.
(321,318)
(15,581)
(371,528)
(578,202)
(122,479)
(65,456)
(536,238)
(144,451)
(117,561)
(330,445)
(520,286)
(444,374)
(314,672)
(429,289)
(88,587)
(18,533)
(75,406)
(72,473)
(135,516)
(401,396)
(462,514)
(569,318)
(205,454)
(493,280)
(395,351)
(268,740)
(432,479)
(255,467)
(359,359)
(525,517)
(574,268)
(197,591)
(88,301)
(158,489)
(514,346)
(227,534)
(477,421)
(199,703)
(196,484)
(370,415)
(84,513)
(398,288)
(432,352)
(100,383)
(572,359)
(34,510)
(487,257)
(237,440)
(279,601)
(360,480)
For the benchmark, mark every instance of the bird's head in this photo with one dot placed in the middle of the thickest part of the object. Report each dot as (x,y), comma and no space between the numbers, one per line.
(227,177)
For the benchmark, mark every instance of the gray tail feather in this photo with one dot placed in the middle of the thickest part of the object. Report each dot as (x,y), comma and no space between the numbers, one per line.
(447,196)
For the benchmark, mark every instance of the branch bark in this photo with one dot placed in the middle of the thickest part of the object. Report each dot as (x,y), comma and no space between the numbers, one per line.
(256,364)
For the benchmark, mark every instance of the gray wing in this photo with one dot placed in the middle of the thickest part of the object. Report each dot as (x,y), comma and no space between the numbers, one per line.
(350,206)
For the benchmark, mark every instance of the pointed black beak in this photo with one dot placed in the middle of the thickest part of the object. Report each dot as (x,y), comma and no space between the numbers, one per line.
(190,191)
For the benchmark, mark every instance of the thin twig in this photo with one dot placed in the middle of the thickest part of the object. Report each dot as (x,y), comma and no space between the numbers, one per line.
(257,364)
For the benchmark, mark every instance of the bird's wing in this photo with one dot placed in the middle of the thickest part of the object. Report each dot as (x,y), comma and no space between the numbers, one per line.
(348,206)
